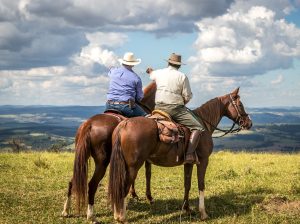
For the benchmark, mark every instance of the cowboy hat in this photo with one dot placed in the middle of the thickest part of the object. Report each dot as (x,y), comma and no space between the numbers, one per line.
(129,59)
(175,59)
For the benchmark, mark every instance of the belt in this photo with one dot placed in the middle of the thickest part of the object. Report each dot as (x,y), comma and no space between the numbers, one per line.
(117,102)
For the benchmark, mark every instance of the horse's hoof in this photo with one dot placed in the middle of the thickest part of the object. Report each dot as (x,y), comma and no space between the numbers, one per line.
(203,216)
(188,211)
(134,195)
(92,218)
(150,200)
(136,198)
(121,221)
(64,214)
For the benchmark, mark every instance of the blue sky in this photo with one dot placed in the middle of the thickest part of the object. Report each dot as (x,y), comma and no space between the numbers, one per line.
(59,54)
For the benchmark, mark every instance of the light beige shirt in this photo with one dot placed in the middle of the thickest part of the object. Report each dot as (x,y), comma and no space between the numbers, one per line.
(173,87)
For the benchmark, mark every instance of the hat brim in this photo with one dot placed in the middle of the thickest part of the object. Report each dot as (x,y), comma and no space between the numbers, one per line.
(175,62)
(136,62)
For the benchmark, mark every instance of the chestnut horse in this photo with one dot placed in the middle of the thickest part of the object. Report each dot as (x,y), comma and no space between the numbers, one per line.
(136,141)
(93,138)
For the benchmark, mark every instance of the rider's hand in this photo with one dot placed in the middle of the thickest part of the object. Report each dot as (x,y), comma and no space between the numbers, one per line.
(149,70)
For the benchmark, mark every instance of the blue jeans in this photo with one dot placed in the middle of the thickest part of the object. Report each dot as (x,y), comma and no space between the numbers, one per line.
(126,111)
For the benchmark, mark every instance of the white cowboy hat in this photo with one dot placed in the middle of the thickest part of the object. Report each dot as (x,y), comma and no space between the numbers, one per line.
(129,59)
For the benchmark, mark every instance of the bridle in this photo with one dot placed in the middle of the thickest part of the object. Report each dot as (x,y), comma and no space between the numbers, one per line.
(238,120)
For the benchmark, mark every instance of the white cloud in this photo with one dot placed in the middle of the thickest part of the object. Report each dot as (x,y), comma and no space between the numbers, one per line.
(279,7)
(76,82)
(37,33)
(47,84)
(278,80)
(106,39)
(5,83)
(60,53)
(245,43)
(95,51)
(85,81)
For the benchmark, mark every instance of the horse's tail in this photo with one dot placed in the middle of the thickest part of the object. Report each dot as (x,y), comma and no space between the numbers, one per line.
(80,170)
(118,172)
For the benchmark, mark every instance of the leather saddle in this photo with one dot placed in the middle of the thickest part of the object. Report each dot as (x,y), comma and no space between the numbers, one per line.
(168,131)
(115,113)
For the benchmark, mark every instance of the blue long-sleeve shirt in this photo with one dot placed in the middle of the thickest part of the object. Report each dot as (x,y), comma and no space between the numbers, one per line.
(124,85)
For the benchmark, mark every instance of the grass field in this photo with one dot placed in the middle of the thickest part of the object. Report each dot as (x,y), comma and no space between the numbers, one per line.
(240,188)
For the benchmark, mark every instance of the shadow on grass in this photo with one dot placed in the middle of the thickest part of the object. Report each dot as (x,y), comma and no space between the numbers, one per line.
(217,207)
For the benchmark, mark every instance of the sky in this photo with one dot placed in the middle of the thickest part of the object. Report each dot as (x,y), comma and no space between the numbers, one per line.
(59,54)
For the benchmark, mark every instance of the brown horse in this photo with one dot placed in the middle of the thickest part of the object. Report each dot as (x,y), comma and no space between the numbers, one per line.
(136,141)
(93,138)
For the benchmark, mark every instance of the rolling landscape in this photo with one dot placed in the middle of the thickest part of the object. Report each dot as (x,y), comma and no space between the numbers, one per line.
(52,128)
(58,53)
(241,181)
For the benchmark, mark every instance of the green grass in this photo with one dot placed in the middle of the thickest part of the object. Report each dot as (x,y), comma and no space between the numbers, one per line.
(240,188)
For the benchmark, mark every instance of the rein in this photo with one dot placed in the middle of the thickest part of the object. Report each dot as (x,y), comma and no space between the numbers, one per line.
(229,131)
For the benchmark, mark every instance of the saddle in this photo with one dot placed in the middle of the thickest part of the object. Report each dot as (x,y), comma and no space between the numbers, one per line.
(115,113)
(168,130)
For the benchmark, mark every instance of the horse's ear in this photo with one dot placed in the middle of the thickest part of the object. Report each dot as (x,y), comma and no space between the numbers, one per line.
(236,91)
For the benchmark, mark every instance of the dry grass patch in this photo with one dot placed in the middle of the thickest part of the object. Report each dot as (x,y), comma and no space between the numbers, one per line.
(278,205)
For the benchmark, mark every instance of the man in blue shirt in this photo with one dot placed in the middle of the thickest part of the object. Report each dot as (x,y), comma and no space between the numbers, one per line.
(125,88)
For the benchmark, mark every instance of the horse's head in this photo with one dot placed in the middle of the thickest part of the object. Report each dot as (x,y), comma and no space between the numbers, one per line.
(235,110)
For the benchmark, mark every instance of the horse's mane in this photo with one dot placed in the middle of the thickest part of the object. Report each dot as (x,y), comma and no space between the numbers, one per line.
(209,111)
(149,89)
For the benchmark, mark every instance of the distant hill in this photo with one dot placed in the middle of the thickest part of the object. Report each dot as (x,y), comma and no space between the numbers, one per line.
(41,127)
(275,115)
(54,114)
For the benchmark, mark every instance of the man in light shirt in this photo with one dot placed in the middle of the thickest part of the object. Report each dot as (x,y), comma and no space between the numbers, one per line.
(173,93)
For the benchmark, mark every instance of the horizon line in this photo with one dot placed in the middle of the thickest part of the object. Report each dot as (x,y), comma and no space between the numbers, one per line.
(51,105)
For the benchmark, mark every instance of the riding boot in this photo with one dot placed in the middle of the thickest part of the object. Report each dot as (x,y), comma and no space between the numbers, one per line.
(191,156)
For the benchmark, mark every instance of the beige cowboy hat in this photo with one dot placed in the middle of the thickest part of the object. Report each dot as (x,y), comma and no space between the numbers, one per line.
(129,59)
(175,59)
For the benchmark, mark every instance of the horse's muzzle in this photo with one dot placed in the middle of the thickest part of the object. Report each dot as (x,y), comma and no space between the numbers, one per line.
(245,122)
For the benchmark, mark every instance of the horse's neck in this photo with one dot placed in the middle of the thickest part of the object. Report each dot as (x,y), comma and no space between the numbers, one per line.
(211,113)
(149,96)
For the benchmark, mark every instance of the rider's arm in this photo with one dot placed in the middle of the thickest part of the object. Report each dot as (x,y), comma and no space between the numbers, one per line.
(186,90)
(151,73)
(139,91)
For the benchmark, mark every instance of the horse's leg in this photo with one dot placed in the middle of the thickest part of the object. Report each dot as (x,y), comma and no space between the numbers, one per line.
(132,173)
(201,170)
(133,193)
(148,181)
(148,184)
(188,168)
(67,205)
(100,168)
